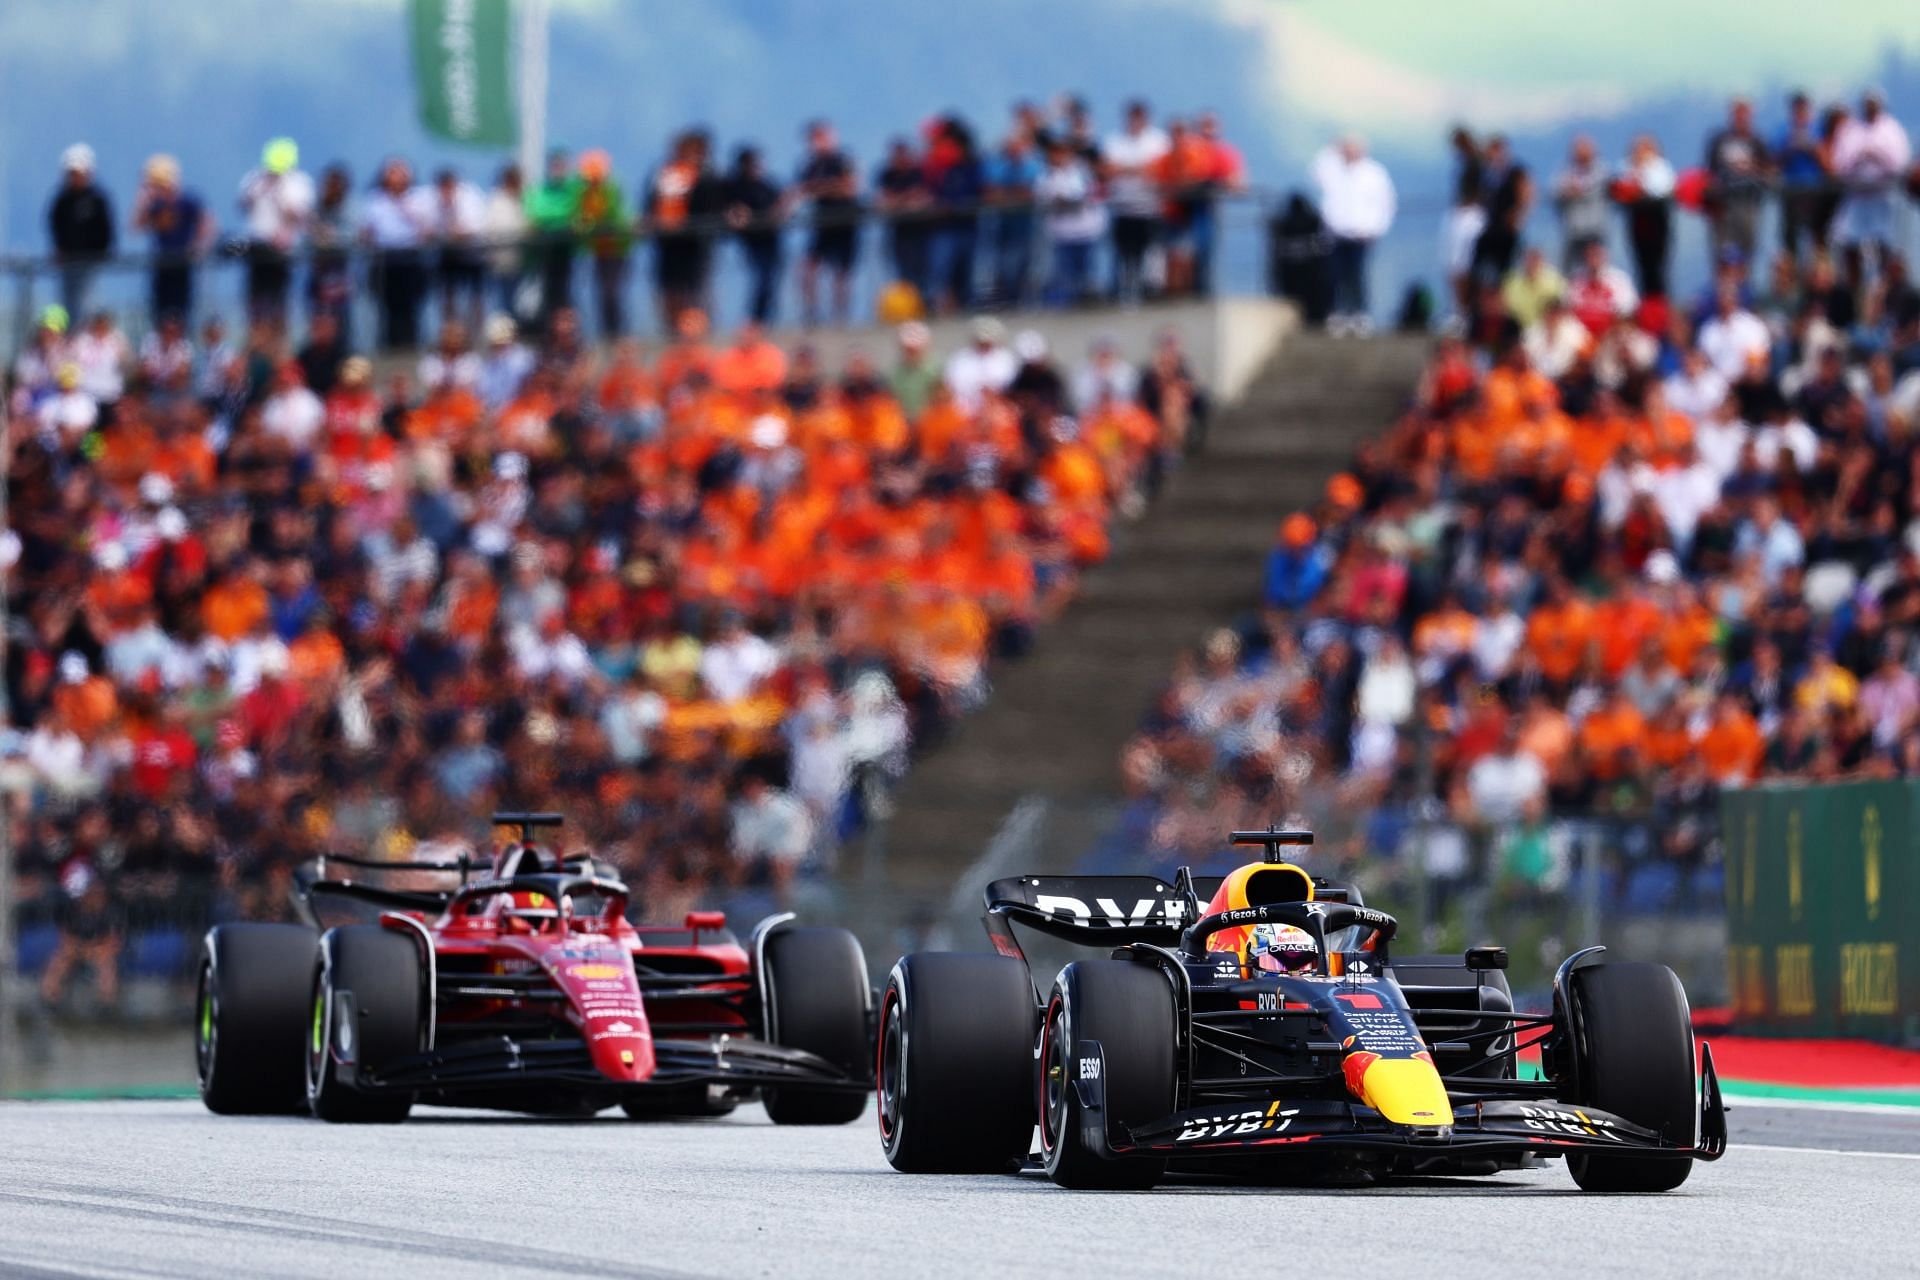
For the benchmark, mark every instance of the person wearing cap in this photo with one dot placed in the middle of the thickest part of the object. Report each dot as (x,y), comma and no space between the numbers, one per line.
(1871,152)
(504,365)
(278,200)
(1297,566)
(983,366)
(80,222)
(180,229)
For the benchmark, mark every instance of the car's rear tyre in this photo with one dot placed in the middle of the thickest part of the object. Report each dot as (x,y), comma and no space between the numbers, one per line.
(1633,1053)
(954,1072)
(1129,1009)
(382,970)
(250,1018)
(817,994)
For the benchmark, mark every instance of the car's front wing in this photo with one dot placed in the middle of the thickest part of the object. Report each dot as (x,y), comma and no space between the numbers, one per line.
(491,1064)
(1482,1127)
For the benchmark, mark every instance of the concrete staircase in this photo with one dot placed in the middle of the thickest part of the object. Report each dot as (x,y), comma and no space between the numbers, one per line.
(1057,718)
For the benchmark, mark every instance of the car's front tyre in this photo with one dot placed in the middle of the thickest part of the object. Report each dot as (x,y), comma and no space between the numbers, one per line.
(1128,1009)
(250,1017)
(382,971)
(1633,1055)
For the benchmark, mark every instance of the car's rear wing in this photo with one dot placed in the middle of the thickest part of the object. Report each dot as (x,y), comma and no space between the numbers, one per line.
(1105,910)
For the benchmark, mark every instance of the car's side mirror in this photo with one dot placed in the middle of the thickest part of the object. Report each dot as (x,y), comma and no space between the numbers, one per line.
(1486,958)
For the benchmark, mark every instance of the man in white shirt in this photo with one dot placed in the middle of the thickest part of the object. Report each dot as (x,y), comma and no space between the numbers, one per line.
(1697,390)
(736,661)
(1357,203)
(293,414)
(1104,379)
(278,200)
(1069,195)
(455,215)
(1720,435)
(1506,785)
(985,365)
(1683,492)
(1734,337)
(1871,152)
(772,833)
(396,221)
(1133,196)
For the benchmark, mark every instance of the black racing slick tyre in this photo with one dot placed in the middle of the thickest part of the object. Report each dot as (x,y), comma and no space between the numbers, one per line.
(1633,1056)
(382,970)
(954,1073)
(1129,1009)
(250,1018)
(815,987)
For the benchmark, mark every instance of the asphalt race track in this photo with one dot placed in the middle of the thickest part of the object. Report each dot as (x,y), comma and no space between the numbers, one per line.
(164,1189)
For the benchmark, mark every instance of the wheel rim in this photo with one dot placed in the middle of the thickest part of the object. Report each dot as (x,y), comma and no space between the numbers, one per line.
(1053,1076)
(319,1038)
(890,1073)
(206,1028)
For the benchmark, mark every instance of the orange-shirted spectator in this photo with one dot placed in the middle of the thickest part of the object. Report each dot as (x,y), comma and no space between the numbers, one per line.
(236,605)
(447,416)
(1560,633)
(316,656)
(1546,734)
(1444,634)
(1622,624)
(1732,746)
(1669,742)
(753,363)
(1074,475)
(940,427)
(183,456)
(627,387)
(1689,630)
(688,356)
(1613,738)
(85,698)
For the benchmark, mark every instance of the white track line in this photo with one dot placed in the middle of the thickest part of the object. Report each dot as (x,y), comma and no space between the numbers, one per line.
(1737,1145)
(1737,1100)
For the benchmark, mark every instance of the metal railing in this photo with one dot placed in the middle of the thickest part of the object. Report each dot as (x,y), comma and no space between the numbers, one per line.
(123,283)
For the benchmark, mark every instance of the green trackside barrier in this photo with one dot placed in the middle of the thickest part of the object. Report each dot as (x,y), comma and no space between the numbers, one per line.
(1823,908)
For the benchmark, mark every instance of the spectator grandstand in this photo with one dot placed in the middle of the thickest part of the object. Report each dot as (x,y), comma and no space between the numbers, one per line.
(269,597)
(1622,548)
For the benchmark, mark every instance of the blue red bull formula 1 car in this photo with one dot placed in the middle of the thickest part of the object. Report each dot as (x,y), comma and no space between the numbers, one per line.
(521,986)
(1258,1024)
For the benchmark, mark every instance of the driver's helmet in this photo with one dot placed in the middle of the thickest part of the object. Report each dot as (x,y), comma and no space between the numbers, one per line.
(1281,948)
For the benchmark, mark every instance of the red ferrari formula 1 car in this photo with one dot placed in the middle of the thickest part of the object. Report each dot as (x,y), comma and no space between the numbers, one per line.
(1257,1024)
(521,986)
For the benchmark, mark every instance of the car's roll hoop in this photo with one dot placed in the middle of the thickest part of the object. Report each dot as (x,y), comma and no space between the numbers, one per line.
(1271,841)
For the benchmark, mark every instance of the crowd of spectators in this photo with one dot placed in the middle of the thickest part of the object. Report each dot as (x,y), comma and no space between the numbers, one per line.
(1624,547)
(705,599)
(959,223)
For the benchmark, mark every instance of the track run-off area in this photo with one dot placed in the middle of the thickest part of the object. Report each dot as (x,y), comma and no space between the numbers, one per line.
(162,1188)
